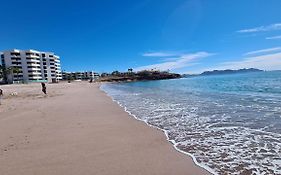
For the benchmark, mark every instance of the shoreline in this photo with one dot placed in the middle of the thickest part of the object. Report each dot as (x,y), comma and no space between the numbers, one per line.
(43,135)
(165,133)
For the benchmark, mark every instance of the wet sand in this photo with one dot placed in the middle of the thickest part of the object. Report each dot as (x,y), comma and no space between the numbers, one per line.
(78,129)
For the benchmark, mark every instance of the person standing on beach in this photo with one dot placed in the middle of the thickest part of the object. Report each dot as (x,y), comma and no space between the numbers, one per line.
(1,95)
(44,89)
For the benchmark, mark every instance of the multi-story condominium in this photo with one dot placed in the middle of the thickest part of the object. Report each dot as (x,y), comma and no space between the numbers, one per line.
(90,75)
(87,75)
(31,66)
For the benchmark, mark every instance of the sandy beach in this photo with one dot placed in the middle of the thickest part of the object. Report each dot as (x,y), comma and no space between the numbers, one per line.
(78,129)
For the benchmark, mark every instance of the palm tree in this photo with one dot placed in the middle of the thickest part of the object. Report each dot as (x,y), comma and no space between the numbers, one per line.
(116,73)
(1,71)
(130,70)
(11,71)
(16,70)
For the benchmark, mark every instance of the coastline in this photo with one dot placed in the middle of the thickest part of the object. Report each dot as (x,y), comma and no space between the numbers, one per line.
(78,129)
(210,171)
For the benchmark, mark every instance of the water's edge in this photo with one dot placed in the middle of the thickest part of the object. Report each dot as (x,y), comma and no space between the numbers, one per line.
(165,132)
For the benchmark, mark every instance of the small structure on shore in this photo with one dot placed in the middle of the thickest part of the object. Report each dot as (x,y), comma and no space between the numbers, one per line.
(83,75)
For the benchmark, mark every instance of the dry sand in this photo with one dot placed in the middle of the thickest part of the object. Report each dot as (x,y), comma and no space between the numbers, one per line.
(78,130)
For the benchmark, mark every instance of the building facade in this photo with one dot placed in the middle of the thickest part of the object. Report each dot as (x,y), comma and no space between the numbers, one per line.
(87,75)
(31,66)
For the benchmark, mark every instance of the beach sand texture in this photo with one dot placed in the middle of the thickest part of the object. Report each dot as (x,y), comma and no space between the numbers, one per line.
(78,130)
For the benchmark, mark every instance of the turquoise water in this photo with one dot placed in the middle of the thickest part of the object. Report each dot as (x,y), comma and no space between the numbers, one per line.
(230,124)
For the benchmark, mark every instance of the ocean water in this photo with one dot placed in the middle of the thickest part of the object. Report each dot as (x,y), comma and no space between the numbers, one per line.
(229,124)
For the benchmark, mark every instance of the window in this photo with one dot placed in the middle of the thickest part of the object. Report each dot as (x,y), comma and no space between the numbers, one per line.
(33,67)
(15,54)
(28,62)
(16,62)
(15,58)
(18,67)
(33,71)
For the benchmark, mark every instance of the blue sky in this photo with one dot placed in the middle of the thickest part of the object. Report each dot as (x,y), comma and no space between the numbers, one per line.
(185,36)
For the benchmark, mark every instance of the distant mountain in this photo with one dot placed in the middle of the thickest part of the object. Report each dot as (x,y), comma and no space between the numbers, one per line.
(229,71)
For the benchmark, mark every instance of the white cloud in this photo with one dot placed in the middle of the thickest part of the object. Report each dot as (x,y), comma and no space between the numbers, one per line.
(264,62)
(274,37)
(263,51)
(184,60)
(159,54)
(271,27)
(169,59)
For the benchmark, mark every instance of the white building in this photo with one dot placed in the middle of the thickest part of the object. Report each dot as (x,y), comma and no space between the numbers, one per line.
(32,66)
(86,75)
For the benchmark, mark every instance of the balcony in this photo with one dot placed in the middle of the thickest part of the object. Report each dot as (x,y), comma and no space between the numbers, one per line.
(33,68)
(33,59)
(18,74)
(17,66)
(33,64)
(15,55)
(15,58)
(34,76)
(16,62)
(32,55)
(35,73)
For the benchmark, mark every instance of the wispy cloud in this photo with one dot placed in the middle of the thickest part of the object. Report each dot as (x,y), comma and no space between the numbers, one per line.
(271,27)
(182,61)
(159,54)
(262,51)
(274,37)
(264,62)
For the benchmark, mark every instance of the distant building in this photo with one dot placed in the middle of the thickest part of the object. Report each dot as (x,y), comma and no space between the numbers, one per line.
(31,65)
(87,75)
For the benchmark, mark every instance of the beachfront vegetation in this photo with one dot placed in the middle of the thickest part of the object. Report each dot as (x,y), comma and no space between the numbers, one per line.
(1,71)
(5,71)
(117,76)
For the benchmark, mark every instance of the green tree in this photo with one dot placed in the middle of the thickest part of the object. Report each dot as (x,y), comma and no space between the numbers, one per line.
(16,71)
(116,73)
(12,71)
(1,71)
